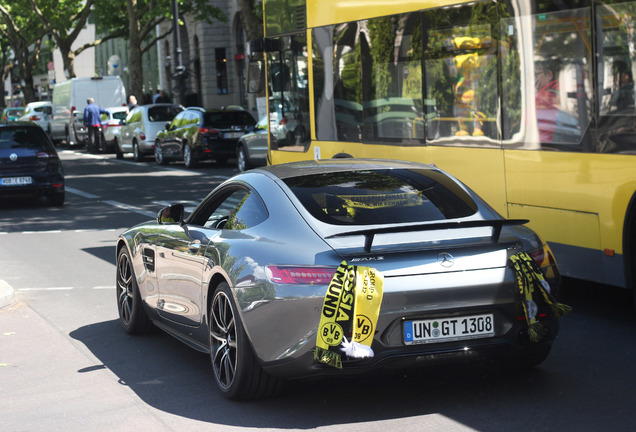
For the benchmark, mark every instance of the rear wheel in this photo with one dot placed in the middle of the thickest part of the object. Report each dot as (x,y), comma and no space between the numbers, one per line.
(241,159)
(236,370)
(118,153)
(159,158)
(55,199)
(137,155)
(189,159)
(132,315)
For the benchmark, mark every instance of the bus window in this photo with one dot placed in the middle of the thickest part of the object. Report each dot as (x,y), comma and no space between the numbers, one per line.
(391,52)
(461,73)
(617,60)
(289,94)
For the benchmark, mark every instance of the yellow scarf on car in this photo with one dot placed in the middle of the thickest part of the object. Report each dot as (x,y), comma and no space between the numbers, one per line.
(530,280)
(351,304)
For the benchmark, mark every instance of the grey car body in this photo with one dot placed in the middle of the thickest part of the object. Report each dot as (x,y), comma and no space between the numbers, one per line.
(141,126)
(251,150)
(187,276)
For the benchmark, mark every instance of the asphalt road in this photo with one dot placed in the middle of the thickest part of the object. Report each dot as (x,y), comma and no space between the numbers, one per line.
(65,364)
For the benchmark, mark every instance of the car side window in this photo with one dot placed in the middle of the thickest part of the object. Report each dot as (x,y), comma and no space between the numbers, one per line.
(240,209)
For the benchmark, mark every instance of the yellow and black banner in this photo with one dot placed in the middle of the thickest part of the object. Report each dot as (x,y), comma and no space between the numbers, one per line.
(530,280)
(351,307)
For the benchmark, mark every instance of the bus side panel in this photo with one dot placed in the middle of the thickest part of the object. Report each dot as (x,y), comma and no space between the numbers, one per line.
(575,199)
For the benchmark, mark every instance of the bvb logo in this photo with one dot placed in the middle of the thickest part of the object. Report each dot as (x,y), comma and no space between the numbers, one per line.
(331,333)
(364,328)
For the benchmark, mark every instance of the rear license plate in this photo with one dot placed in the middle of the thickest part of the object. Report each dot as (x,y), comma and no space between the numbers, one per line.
(233,134)
(449,329)
(15,181)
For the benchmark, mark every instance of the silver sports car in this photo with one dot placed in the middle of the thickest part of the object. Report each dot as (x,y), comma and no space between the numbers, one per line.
(248,275)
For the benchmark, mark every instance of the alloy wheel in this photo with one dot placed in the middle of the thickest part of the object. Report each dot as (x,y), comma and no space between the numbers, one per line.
(124,288)
(241,159)
(223,340)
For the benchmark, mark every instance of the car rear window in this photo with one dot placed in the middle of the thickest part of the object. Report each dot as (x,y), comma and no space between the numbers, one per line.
(225,120)
(163,113)
(119,115)
(23,137)
(381,196)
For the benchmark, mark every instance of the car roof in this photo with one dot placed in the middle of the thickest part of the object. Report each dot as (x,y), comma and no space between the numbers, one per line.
(116,109)
(38,104)
(322,166)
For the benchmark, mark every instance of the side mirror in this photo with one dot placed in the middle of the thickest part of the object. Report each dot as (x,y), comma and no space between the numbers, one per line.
(171,214)
(167,126)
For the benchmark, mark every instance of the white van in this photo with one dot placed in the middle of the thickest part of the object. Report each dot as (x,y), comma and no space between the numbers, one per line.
(70,96)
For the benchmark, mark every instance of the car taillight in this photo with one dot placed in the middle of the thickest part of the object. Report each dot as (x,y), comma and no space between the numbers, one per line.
(543,256)
(283,121)
(46,155)
(34,118)
(142,136)
(300,275)
(206,131)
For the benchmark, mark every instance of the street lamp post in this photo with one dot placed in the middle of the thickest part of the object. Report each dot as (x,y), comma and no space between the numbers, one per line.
(179,70)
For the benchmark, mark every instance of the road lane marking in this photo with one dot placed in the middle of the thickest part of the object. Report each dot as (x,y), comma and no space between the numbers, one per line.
(131,208)
(46,289)
(80,193)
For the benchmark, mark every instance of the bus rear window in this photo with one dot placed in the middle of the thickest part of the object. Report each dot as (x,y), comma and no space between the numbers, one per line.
(381,197)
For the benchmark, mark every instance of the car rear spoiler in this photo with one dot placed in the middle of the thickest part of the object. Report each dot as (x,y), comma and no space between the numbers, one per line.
(496,225)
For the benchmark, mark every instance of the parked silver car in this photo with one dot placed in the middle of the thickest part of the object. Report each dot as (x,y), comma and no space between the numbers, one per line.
(251,150)
(39,113)
(250,274)
(140,129)
(111,127)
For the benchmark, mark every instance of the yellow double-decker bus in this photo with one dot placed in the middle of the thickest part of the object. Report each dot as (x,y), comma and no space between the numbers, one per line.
(528,102)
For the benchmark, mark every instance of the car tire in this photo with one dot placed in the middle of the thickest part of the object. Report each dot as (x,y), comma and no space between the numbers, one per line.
(137,155)
(132,315)
(159,158)
(69,140)
(241,159)
(56,199)
(189,159)
(237,372)
(118,153)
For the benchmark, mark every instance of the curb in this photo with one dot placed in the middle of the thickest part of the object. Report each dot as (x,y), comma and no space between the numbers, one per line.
(7,295)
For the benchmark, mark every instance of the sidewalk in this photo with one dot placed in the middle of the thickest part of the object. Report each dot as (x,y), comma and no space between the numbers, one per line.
(7,295)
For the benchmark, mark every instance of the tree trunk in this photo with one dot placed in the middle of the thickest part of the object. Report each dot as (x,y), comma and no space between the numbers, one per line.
(134,59)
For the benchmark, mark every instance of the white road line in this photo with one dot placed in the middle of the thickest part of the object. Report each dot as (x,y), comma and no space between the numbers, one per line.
(111,287)
(80,193)
(131,208)
(46,289)
(42,232)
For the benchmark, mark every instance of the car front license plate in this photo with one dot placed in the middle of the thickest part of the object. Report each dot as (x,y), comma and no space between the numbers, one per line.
(15,181)
(233,135)
(449,329)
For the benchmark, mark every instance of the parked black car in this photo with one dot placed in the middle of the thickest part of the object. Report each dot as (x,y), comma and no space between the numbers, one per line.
(29,163)
(196,134)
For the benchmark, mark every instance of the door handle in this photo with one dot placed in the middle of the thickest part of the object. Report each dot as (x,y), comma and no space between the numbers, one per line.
(195,246)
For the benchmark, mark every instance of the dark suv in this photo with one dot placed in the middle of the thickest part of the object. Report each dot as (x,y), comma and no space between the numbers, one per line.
(29,164)
(196,134)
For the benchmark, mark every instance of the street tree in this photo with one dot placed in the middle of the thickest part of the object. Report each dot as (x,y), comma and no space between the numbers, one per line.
(7,61)
(19,27)
(139,20)
(64,20)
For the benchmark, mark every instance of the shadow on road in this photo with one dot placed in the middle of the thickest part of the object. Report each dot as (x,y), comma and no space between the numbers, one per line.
(569,391)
